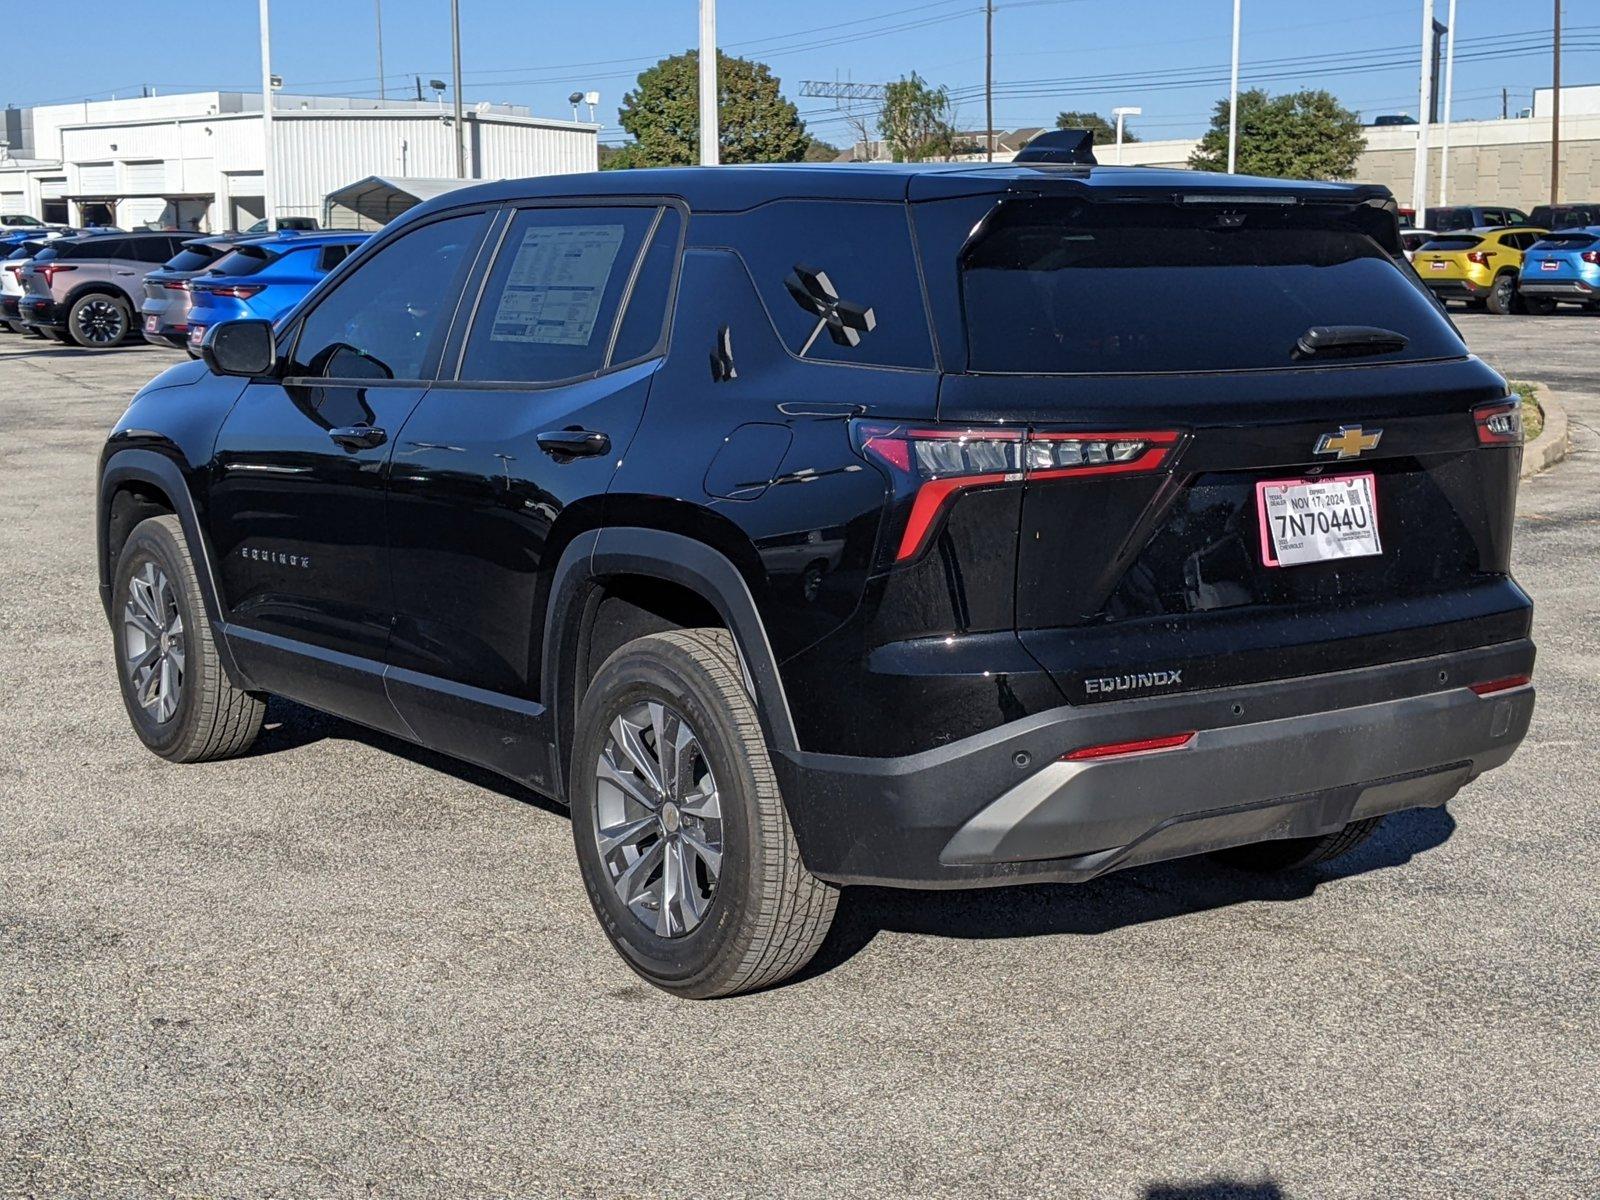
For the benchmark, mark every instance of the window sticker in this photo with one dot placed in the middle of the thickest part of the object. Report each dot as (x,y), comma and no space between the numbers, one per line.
(557,280)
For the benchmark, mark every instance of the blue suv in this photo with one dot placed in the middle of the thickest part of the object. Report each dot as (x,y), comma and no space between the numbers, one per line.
(264,277)
(1562,268)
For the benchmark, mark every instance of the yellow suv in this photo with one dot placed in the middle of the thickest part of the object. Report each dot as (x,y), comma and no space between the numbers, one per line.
(1476,265)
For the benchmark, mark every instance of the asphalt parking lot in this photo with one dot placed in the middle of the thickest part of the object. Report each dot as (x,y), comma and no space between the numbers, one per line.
(342,966)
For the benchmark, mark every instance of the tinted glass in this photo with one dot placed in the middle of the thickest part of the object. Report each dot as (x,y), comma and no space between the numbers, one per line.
(1516,216)
(1446,219)
(47,254)
(552,299)
(387,318)
(1566,241)
(647,305)
(195,257)
(1460,242)
(1056,286)
(246,260)
(149,249)
(864,252)
(332,256)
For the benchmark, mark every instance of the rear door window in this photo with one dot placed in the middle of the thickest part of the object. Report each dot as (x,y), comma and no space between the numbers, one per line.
(550,304)
(332,256)
(246,260)
(1067,286)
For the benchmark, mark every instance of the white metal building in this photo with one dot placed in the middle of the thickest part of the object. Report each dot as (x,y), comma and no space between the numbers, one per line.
(195,160)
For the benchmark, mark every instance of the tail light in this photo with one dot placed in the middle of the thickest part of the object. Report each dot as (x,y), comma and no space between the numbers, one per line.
(1590,256)
(176,286)
(237,291)
(51,270)
(1172,741)
(936,464)
(15,269)
(1478,256)
(1500,423)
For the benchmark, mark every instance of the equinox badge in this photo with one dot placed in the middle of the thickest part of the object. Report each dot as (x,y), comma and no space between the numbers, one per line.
(1350,441)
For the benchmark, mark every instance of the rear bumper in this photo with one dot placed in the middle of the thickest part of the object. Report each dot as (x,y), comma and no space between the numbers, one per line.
(40,311)
(10,307)
(1559,289)
(1455,289)
(1291,759)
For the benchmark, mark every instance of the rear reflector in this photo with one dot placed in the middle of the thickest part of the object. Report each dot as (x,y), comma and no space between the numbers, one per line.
(1502,685)
(1175,741)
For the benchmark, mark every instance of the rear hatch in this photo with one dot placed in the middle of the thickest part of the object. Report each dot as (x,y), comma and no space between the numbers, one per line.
(1251,446)
(1445,256)
(1563,258)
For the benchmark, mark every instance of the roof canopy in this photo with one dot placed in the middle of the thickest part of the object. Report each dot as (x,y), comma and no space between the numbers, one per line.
(378,199)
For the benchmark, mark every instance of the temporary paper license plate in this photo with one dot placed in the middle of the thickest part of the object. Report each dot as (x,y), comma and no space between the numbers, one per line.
(1549,264)
(1436,266)
(1315,520)
(197,334)
(151,323)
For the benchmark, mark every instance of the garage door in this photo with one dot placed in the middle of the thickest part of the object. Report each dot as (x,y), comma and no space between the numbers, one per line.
(97,178)
(52,187)
(11,204)
(144,177)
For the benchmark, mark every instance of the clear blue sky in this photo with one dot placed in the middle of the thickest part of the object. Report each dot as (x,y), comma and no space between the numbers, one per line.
(1167,56)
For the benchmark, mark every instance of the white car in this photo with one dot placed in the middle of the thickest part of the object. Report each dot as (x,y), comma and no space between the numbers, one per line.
(11,288)
(1412,240)
(15,221)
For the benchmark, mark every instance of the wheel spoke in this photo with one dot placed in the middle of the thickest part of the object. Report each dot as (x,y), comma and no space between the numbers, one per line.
(629,740)
(629,882)
(615,837)
(175,653)
(625,781)
(145,658)
(704,852)
(671,891)
(704,804)
(691,903)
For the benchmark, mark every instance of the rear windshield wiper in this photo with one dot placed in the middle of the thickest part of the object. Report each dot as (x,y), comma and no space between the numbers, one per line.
(1348,341)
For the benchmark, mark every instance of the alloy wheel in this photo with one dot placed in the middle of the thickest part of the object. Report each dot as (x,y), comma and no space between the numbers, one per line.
(102,322)
(658,819)
(153,649)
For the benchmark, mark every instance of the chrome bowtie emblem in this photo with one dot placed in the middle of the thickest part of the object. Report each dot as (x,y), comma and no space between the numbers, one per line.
(1349,442)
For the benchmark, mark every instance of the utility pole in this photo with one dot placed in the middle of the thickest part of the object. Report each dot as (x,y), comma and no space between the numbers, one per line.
(988,79)
(378,4)
(1233,98)
(1555,112)
(710,130)
(1419,177)
(1505,103)
(1449,93)
(269,189)
(455,65)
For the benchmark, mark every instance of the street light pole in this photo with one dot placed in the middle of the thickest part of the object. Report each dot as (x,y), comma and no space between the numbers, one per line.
(455,51)
(1449,94)
(1555,112)
(988,80)
(1233,98)
(378,5)
(710,132)
(1419,173)
(1121,114)
(269,182)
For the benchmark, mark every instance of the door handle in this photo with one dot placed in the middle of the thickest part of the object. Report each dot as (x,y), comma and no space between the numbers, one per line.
(574,443)
(358,437)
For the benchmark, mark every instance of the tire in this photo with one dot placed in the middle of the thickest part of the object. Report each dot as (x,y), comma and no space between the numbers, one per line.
(765,915)
(1290,854)
(99,322)
(1502,296)
(183,707)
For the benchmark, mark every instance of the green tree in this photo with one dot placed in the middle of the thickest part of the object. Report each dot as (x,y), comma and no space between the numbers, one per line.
(821,151)
(916,120)
(1105,132)
(663,114)
(1303,135)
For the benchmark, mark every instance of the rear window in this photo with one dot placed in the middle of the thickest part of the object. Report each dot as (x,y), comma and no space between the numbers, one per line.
(1565,241)
(196,257)
(1444,219)
(1460,242)
(246,260)
(1073,287)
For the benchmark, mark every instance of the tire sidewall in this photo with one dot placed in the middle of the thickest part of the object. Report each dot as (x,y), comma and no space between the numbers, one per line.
(152,541)
(667,674)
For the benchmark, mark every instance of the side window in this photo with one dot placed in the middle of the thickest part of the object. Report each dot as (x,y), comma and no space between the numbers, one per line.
(839,278)
(332,256)
(647,303)
(1516,217)
(551,300)
(387,319)
(150,250)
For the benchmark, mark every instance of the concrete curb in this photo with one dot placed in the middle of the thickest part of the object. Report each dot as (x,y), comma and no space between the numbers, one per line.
(1552,445)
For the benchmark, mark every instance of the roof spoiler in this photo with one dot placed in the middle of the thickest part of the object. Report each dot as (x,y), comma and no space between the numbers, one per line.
(1060,146)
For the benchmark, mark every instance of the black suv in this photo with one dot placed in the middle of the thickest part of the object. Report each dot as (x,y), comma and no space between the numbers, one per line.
(805,526)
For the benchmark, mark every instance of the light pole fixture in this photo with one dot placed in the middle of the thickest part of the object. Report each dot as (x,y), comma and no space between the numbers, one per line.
(575,99)
(710,132)
(1121,114)
(455,66)
(269,81)
(1233,97)
(591,99)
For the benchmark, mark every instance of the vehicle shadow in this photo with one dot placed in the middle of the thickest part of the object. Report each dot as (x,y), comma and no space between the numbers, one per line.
(1135,897)
(290,725)
(1215,1189)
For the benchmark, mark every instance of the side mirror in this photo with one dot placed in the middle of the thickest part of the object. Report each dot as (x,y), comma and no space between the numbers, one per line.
(247,348)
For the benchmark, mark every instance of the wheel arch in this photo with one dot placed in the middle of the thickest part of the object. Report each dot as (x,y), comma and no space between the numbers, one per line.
(99,287)
(599,557)
(138,480)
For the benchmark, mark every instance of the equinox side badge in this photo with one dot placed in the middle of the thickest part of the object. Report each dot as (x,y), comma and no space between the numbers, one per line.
(844,320)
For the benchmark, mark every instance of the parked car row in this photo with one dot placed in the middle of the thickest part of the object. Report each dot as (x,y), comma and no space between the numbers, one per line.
(1516,269)
(99,289)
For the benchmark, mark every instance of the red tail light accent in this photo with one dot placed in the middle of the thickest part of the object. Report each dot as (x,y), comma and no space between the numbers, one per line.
(51,270)
(179,286)
(1174,741)
(15,269)
(237,291)
(1502,685)
(1478,256)
(1500,423)
(1590,256)
(940,463)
